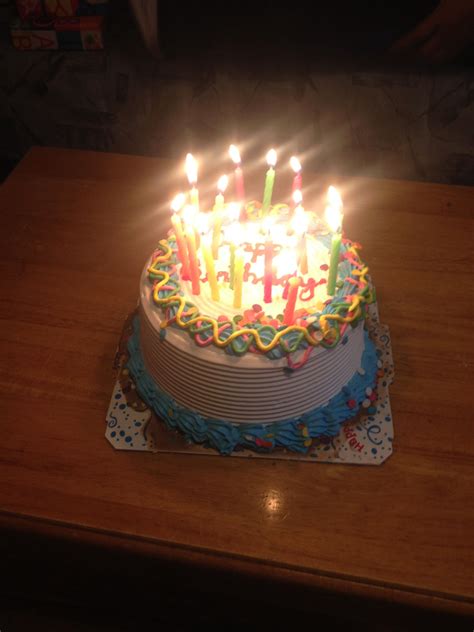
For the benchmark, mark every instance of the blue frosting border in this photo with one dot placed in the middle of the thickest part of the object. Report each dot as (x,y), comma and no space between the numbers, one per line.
(292,434)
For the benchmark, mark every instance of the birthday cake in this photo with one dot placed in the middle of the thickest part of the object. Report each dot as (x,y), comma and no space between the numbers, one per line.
(251,328)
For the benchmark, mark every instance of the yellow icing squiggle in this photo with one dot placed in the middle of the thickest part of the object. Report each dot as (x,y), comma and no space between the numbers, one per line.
(354,308)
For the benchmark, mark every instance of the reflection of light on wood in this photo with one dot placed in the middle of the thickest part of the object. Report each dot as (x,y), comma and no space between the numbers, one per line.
(273,501)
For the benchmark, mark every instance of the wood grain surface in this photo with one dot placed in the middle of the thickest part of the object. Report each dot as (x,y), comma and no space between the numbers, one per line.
(76,230)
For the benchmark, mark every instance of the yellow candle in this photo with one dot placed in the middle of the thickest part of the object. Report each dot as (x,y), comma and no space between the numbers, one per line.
(176,205)
(221,187)
(217,215)
(211,271)
(191,168)
(238,277)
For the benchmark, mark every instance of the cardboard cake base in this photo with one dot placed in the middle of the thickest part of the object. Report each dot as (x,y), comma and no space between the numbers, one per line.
(131,425)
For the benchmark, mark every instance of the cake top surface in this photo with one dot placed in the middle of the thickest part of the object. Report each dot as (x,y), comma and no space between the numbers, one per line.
(254,277)
(252,325)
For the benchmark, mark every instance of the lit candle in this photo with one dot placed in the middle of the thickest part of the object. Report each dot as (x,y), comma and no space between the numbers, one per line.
(269,181)
(299,224)
(176,206)
(268,266)
(334,220)
(189,231)
(287,264)
(238,174)
(221,187)
(296,166)
(209,262)
(191,168)
(217,216)
(238,277)
(289,313)
(235,238)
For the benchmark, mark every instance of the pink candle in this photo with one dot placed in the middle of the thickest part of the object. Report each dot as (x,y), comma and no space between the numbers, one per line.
(289,313)
(268,273)
(238,174)
(297,179)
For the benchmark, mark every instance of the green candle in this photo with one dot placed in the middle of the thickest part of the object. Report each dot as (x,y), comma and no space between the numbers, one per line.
(269,181)
(334,263)
(334,219)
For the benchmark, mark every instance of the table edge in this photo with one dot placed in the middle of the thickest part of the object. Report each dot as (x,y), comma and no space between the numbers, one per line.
(221,560)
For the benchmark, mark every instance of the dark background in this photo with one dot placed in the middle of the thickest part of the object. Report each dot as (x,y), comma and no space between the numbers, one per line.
(316,81)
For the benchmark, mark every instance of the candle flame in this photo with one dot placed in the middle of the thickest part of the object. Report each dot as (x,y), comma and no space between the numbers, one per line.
(297,197)
(271,158)
(234,154)
(295,164)
(333,217)
(334,198)
(189,214)
(300,221)
(178,202)
(191,168)
(222,183)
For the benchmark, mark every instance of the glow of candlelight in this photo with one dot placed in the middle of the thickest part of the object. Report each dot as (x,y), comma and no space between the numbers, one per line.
(295,164)
(222,183)
(178,202)
(271,158)
(191,168)
(234,155)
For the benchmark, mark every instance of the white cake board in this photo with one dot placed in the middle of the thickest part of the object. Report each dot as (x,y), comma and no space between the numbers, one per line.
(367,441)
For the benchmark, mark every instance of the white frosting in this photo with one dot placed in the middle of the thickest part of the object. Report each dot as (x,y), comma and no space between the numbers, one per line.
(245,389)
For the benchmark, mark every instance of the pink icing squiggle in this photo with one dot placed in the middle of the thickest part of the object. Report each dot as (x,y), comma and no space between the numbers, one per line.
(302,362)
(207,341)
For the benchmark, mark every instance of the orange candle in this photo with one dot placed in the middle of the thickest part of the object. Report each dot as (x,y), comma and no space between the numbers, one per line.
(190,234)
(289,313)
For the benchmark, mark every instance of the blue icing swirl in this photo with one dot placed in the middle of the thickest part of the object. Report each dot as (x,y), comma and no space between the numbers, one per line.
(226,437)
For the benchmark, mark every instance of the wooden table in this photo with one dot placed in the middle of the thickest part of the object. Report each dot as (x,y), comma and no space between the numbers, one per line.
(77,227)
